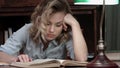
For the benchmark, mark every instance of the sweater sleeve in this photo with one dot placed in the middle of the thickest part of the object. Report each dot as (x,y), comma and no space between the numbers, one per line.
(70,49)
(14,43)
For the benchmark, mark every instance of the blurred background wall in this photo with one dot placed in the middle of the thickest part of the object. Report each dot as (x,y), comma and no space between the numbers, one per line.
(112,28)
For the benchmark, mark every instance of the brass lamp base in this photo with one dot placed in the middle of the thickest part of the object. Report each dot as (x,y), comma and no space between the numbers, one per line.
(101,62)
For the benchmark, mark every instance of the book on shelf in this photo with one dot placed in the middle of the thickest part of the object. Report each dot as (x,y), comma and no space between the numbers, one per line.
(10,31)
(49,63)
(5,35)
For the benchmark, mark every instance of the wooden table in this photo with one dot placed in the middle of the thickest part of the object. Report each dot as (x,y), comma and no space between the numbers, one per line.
(19,67)
(7,66)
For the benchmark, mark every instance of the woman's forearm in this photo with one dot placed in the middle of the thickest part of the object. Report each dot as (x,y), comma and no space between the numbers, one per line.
(79,43)
(6,58)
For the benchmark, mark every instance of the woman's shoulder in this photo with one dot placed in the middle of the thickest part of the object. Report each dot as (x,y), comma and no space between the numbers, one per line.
(23,30)
(27,25)
(22,33)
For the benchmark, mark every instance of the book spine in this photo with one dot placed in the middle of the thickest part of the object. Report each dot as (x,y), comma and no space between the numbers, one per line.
(5,35)
(10,31)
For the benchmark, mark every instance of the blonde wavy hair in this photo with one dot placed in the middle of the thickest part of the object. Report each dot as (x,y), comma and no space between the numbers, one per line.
(41,16)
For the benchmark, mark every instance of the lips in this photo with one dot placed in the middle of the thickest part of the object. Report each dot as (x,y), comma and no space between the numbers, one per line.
(50,35)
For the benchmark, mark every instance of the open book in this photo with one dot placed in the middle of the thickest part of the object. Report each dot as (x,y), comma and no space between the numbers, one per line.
(48,63)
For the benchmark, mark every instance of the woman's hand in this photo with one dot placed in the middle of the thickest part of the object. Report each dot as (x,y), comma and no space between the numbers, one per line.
(23,58)
(70,20)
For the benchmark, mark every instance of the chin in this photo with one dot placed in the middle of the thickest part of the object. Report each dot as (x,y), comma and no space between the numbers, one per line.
(50,39)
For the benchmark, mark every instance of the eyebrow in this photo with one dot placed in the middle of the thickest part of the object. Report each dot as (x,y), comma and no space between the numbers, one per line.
(59,22)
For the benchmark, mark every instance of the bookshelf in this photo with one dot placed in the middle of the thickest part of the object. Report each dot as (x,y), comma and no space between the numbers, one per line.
(14,14)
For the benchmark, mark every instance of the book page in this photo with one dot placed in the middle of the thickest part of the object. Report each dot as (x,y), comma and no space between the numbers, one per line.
(38,62)
(73,63)
(49,63)
(43,61)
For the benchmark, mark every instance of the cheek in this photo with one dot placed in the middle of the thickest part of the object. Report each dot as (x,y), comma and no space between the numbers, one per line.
(59,30)
(47,29)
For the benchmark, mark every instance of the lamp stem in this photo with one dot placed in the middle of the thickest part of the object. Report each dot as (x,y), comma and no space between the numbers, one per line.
(101,21)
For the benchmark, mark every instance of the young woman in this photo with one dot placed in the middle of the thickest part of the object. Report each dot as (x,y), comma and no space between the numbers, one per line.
(53,33)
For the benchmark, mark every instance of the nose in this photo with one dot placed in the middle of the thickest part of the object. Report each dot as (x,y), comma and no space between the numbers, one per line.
(52,29)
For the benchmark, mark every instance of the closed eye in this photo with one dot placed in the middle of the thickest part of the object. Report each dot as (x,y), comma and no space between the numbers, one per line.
(58,24)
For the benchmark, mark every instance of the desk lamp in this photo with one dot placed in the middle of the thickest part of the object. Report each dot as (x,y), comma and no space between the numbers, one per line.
(100,61)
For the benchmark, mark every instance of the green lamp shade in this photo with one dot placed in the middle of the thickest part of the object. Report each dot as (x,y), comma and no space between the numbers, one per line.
(76,1)
(95,2)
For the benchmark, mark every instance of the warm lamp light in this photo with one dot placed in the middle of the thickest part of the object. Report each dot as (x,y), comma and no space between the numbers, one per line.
(100,61)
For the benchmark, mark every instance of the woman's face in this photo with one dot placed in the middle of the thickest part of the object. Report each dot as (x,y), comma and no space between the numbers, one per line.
(54,26)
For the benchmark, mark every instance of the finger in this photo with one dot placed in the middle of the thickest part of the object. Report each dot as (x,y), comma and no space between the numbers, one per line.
(26,58)
(17,59)
(30,59)
(20,58)
(64,26)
